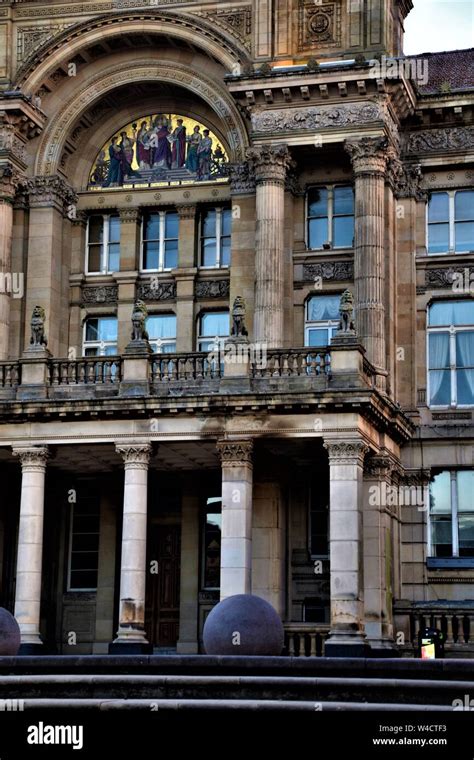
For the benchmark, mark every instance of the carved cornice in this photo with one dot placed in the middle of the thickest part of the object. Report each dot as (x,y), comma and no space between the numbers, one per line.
(242,178)
(369,155)
(136,456)
(156,291)
(441,140)
(33,459)
(329,270)
(316,117)
(99,294)
(346,452)
(382,467)
(416,477)
(270,163)
(235,453)
(130,215)
(212,289)
(47,192)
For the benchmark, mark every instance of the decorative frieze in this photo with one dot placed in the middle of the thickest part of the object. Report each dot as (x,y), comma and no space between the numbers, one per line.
(329,270)
(319,24)
(444,277)
(238,21)
(156,291)
(212,289)
(235,453)
(441,140)
(316,117)
(99,294)
(242,178)
(407,180)
(31,38)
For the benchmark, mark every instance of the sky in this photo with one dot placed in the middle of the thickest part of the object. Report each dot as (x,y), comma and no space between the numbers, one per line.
(435,25)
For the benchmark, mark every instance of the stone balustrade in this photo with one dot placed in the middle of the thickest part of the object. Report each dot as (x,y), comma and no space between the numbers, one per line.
(305,639)
(296,362)
(454,619)
(10,374)
(96,370)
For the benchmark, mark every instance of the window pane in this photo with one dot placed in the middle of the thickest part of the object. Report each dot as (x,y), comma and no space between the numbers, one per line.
(318,338)
(323,307)
(464,236)
(343,231)
(438,350)
(343,200)
(451,313)
(225,252)
(465,386)
(96,229)
(172,225)
(463,312)
(464,205)
(318,202)
(226,221)
(111,350)
(209,224)
(440,493)
(209,252)
(465,480)
(438,207)
(171,254)
(114,229)
(95,258)
(83,579)
(152,227)
(91,351)
(440,388)
(107,328)
(466,535)
(318,232)
(442,537)
(151,253)
(212,550)
(161,326)
(92,329)
(438,238)
(215,323)
(168,348)
(114,257)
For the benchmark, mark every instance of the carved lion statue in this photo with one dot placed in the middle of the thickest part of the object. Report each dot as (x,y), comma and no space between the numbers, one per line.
(38,317)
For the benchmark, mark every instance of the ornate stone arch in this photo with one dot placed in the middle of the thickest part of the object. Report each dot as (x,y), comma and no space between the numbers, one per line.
(211,39)
(50,148)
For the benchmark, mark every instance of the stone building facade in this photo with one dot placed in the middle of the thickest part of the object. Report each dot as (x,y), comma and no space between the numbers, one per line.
(292,416)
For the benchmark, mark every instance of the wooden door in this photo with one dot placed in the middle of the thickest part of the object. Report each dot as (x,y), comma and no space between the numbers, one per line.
(163,586)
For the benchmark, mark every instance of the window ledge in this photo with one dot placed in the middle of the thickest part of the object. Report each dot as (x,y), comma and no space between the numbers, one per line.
(441,563)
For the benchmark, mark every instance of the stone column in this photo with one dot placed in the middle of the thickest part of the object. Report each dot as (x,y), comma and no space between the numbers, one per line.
(270,164)
(51,201)
(236,547)
(30,546)
(131,638)
(189,585)
(242,270)
(347,636)
(369,158)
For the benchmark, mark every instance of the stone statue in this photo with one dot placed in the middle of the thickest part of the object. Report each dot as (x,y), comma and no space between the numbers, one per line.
(139,315)
(238,319)
(346,313)
(38,337)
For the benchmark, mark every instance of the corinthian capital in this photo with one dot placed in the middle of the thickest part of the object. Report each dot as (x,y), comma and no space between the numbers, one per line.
(32,458)
(346,452)
(135,455)
(242,178)
(369,154)
(235,453)
(270,162)
(50,191)
(10,180)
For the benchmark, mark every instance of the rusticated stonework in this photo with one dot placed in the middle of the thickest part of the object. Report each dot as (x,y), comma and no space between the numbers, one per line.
(440,140)
(235,453)
(100,294)
(316,117)
(212,289)
(159,291)
(318,24)
(329,270)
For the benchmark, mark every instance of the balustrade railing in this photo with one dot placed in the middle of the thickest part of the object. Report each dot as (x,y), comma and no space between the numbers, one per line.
(195,366)
(457,623)
(295,362)
(94,370)
(305,639)
(10,374)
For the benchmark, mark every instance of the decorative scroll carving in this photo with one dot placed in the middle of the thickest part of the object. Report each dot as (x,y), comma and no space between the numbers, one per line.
(440,140)
(314,117)
(329,270)
(235,453)
(238,21)
(100,294)
(368,154)
(135,456)
(270,162)
(405,179)
(212,289)
(129,215)
(242,178)
(318,24)
(10,182)
(31,38)
(346,452)
(33,458)
(45,192)
(156,291)
(445,277)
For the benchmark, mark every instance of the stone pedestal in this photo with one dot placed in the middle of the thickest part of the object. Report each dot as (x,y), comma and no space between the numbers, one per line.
(131,638)
(236,546)
(347,637)
(136,369)
(34,373)
(30,547)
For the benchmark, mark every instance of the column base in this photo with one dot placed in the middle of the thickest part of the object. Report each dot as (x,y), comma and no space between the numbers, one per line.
(130,647)
(37,649)
(383,648)
(346,644)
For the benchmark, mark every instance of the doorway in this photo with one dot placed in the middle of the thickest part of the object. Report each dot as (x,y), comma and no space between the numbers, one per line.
(163,584)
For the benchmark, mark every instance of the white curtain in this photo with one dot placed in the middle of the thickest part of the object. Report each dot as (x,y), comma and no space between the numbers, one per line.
(439,359)
(465,359)
(323,308)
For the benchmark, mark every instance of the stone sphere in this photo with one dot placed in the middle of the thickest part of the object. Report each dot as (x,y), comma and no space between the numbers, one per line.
(243,625)
(10,637)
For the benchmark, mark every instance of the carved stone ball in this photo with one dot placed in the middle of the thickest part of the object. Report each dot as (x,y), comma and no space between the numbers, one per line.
(10,638)
(244,625)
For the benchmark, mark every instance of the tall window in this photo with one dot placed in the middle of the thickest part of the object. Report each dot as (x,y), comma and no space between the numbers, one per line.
(213,325)
(452,514)
(84,543)
(211,565)
(319,519)
(331,217)
(161,330)
(216,227)
(451,353)
(103,244)
(451,222)
(100,336)
(160,241)
(322,319)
